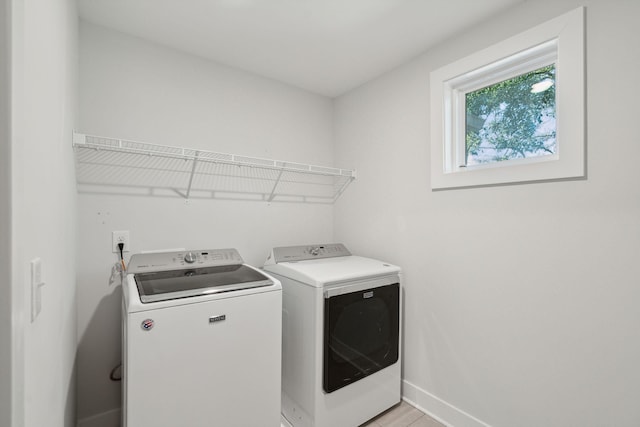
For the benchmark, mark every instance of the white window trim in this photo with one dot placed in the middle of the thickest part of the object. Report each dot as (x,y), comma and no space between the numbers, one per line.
(538,44)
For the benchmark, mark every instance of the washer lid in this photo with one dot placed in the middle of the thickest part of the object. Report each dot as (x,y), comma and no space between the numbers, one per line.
(183,283)
(320,272)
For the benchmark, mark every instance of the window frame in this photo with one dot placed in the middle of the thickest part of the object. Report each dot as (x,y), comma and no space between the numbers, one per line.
(559,41)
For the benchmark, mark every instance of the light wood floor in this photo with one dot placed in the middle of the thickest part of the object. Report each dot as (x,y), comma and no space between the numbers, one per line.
(403,415)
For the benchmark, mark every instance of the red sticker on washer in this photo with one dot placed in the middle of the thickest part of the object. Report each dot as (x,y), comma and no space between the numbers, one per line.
(147,324)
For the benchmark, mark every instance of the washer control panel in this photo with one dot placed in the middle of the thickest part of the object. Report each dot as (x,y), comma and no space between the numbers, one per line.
(307,252)
(175,260)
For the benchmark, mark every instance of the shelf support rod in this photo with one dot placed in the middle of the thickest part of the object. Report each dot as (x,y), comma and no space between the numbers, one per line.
(342,188)
(193,171)
(273,191)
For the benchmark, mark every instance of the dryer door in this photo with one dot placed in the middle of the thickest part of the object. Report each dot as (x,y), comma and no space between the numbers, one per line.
(361,334)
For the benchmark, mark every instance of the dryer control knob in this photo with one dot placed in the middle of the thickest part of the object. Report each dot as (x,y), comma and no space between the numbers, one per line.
(190,257)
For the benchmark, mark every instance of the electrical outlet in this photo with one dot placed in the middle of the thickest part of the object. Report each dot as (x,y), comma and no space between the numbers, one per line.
(120,237)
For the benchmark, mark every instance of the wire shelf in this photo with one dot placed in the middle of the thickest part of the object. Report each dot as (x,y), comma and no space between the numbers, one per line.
(106,164)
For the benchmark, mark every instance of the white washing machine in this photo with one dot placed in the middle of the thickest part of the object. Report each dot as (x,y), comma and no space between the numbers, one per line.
(341,335)
(201,341)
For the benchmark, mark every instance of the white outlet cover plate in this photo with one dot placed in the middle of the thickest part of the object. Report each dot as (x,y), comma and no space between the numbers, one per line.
(120,237)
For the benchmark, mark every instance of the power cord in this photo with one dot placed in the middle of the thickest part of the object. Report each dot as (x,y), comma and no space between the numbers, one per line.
(121,247)
(116,377)
(112,374)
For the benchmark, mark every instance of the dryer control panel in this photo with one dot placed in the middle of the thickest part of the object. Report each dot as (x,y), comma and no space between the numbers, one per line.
(306,252)
(176,260)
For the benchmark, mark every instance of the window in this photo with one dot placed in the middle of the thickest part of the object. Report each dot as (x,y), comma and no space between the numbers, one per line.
(512,119)
(513,112)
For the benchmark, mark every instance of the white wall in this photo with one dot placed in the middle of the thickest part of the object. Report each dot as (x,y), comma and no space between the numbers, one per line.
(6,336)
(521,301)
(132,89)
(43,209)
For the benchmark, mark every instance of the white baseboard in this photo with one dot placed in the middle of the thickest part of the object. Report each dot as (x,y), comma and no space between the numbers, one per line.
(106,419)
(437,408)
(284,422)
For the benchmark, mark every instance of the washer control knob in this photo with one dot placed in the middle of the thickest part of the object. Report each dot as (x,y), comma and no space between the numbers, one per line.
(314,251)
(190,257)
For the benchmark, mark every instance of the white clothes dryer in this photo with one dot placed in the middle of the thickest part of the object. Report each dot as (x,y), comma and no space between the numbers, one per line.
(341,335)
(201,341)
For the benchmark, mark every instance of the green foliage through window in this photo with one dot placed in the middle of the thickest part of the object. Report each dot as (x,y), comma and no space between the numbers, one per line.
(512,119)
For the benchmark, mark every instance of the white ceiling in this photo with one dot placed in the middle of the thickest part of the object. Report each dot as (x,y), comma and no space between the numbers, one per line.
(324,46)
